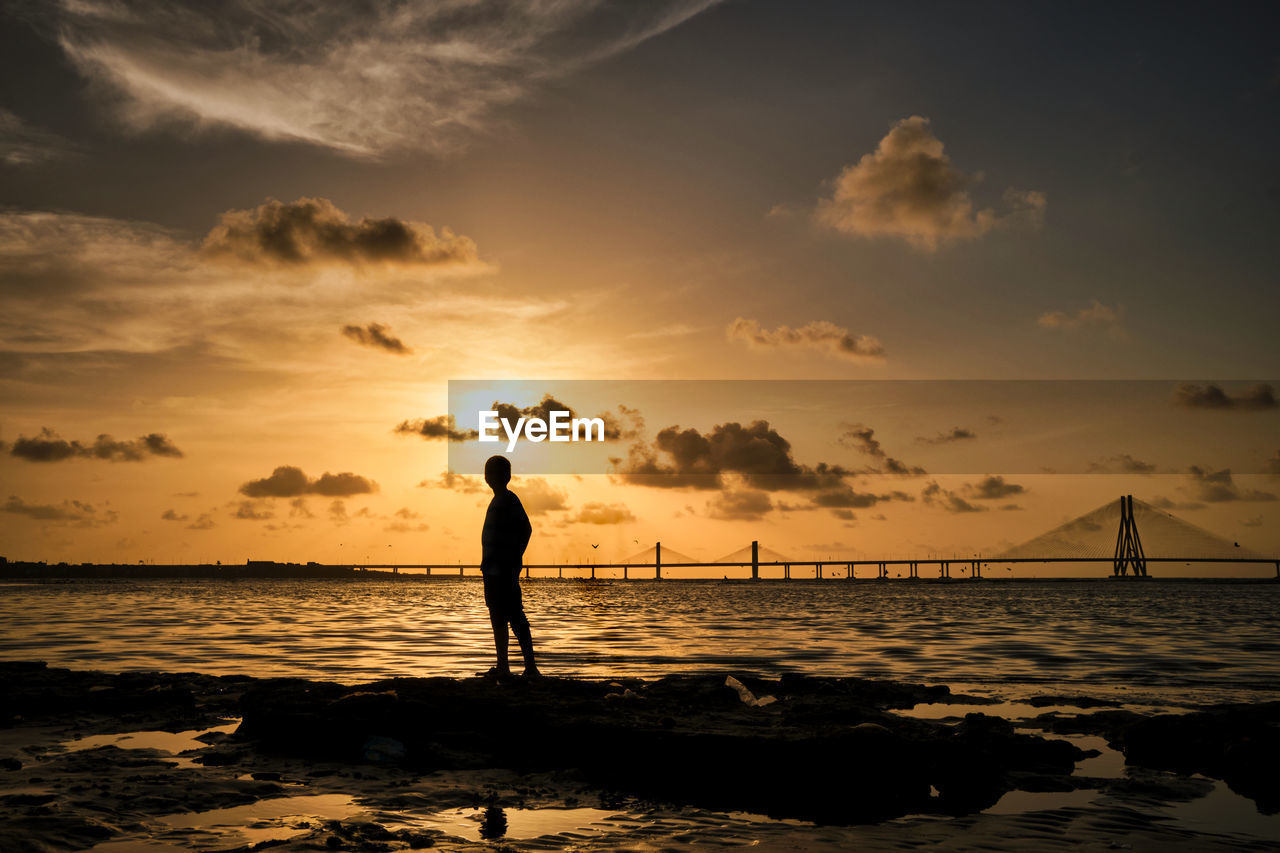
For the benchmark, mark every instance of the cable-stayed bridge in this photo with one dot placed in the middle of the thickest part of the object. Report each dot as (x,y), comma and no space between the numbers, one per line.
(1127,534)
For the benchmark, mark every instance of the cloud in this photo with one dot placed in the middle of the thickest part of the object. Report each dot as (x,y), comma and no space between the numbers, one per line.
(362,79)
(1209,486)
(602,513)
(204,521)
(456,482)
(47,446)
(1096,315)
(313,231)
(1165,503)
(72,512)
(1254,521)
(376,335)
(908,189)
(862,438)
(538,496)
(992,489)
(402,527)
(845,496)
(820,335)
(22,144)
(173,515)
(935,495)
(402,524)
(439,427)
(1122,463)
(288,481)
(251,511)
(1194,396)
(954,434)
(756,453)
(740,505)
(902,469)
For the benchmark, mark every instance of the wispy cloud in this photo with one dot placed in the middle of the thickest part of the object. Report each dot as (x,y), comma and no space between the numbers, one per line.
(819,335)
(1193,396)
(1209,486)
(602,513)
(22,144)
(908,188)
(376,335)
(952,435)
(361,79)
(73,512)
(1095,315)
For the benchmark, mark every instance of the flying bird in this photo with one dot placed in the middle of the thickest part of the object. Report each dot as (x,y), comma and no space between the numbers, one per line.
(595,545)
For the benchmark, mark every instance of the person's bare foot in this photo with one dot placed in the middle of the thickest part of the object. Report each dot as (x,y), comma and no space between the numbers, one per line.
(498,673)
(532,671)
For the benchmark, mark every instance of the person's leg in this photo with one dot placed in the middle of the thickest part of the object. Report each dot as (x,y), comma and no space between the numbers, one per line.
(500,641)
(493,597)
(520,626)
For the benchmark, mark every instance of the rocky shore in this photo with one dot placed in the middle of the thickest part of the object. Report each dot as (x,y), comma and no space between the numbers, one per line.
(831,751)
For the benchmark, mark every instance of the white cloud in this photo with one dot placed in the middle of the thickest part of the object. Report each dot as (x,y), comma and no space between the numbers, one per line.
(362,79)
(908,188)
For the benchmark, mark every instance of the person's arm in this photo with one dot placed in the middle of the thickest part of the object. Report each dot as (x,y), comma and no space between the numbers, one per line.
(521,529)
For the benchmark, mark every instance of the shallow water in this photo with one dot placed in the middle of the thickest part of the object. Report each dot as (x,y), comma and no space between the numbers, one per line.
(1216,641)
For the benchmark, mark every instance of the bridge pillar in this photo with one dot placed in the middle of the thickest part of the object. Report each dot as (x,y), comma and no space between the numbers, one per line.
(1128,544)
(975,569)
(461,571)
(755,560)
(786,571)
(624,572)
(881,571)
(526,572)
(560,572)
(817,571)
(657,560)
(848,571)
(944,570)
(593,572)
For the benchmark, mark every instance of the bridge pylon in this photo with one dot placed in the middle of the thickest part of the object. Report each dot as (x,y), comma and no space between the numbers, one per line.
(1129,553)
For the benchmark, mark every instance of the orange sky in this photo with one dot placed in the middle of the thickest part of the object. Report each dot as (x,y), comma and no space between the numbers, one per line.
(271,251)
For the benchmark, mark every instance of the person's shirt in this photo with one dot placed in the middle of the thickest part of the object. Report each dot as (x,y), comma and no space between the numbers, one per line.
(505,535)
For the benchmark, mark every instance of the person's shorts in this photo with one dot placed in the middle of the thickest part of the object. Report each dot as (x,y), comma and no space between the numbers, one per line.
(502,594)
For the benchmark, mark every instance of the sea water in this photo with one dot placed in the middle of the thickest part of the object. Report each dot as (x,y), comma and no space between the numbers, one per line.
(1204,641)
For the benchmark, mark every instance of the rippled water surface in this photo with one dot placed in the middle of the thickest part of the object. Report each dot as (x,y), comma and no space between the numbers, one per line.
(1217,639)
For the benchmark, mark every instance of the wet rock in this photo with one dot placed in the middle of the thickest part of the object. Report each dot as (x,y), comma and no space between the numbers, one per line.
(1239,744)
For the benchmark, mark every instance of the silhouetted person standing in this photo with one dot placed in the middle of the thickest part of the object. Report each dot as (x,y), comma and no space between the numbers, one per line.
(505,536)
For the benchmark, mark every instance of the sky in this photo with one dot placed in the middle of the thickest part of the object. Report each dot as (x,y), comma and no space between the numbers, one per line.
(244,250)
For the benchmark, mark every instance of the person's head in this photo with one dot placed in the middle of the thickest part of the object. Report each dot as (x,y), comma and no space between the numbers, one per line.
(497,472)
